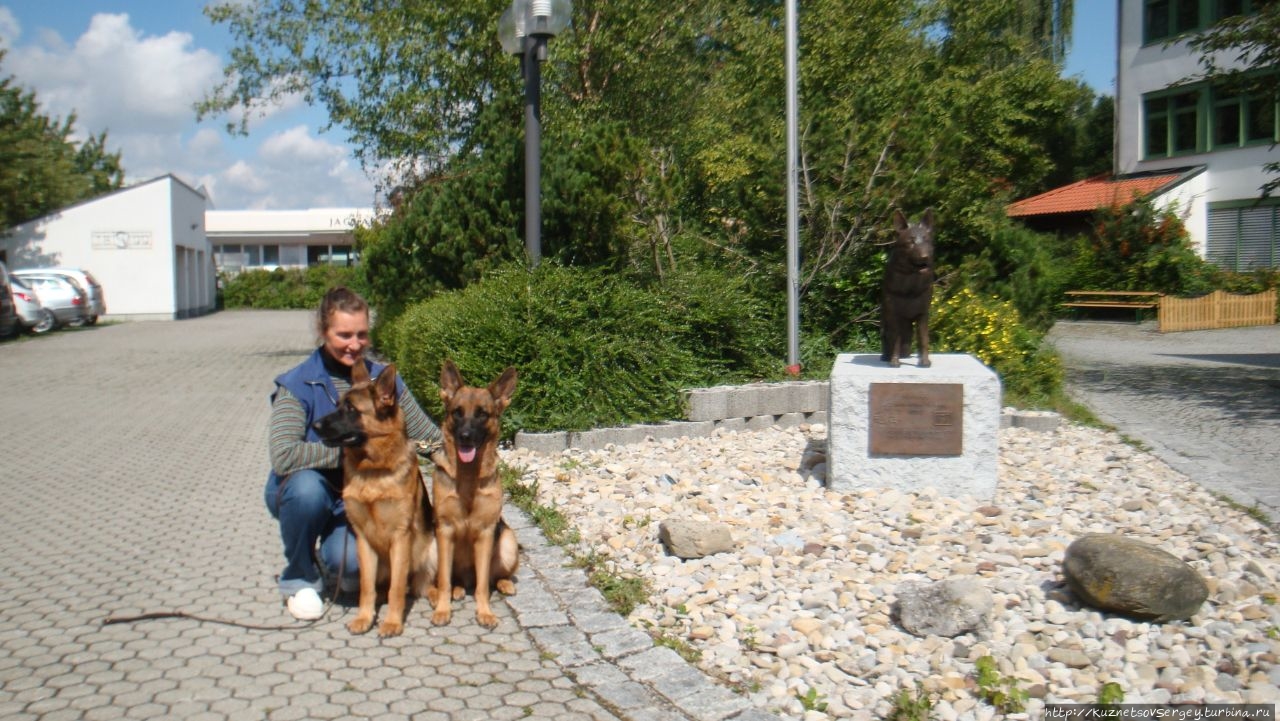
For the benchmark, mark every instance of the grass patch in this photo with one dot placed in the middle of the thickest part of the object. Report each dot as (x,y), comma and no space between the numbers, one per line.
(622,593)
(909,706)
(1255,511)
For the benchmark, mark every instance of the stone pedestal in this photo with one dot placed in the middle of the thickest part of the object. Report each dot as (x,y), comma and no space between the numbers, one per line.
(911,442)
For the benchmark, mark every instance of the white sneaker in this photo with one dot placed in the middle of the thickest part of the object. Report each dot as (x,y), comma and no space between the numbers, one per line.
(305,605)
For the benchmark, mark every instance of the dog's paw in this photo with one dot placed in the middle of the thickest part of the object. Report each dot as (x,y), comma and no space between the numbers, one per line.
(459,593)
(360,624)
(486,619)
(441,618)
(390,628)
(505,587)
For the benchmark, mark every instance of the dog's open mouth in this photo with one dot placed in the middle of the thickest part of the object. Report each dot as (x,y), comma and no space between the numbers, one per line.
(466,454)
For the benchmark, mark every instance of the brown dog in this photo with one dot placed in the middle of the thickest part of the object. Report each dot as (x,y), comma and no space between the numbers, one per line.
(473,544)
(385,497)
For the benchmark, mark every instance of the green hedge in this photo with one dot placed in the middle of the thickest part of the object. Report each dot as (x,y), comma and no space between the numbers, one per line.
(286,288)
(593,348)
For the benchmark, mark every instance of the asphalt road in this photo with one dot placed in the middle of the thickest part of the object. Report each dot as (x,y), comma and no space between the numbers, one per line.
(1206,402)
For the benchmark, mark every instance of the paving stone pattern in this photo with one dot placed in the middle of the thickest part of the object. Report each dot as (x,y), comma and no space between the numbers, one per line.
(135,456)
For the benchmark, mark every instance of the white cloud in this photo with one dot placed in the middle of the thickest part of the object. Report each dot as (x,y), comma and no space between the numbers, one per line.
(10,29)
(294,169)
(115,79)
(141,89)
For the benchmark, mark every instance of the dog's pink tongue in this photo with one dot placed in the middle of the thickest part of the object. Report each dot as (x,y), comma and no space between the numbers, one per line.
(467,454)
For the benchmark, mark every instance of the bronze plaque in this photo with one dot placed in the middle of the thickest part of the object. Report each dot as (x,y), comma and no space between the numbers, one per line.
(917,419)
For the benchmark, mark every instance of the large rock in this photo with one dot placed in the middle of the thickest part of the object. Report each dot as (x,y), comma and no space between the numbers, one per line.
(690,539)
(946,608)
(1115,573)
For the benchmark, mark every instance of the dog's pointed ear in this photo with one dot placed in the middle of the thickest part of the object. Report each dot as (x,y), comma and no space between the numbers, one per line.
(386,386)
(450,380)
(927,219)
(359,372)
(899,221)
(504,386)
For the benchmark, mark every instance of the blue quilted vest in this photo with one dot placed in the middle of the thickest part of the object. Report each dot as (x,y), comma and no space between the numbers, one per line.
(310,383)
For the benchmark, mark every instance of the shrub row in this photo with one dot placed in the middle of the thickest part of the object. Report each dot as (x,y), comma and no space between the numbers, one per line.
(593,348)
(285,288)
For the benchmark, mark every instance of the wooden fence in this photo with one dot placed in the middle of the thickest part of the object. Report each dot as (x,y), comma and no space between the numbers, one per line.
(1217,310)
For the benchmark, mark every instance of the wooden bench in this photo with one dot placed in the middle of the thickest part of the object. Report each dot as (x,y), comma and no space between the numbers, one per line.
(1136,300)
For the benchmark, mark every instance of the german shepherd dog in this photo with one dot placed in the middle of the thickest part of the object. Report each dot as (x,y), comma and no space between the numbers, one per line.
(908,290)
(385,497)
(473,544)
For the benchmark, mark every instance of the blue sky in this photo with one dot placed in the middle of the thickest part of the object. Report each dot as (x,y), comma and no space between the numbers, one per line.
(135,68)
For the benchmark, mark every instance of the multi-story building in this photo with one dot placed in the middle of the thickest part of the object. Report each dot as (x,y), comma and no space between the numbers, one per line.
(268,239)
(1191,145)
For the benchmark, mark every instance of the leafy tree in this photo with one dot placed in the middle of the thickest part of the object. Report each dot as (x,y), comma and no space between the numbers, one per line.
(1242,52)
(41,168)
(664,130)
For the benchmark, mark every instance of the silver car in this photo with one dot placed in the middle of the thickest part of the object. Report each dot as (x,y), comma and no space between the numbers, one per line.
(59,294)
(97,301)
(31,314)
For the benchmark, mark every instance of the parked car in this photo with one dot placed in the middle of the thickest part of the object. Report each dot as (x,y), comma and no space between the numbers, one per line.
(31,314)
(60,294)
(97,300)
(9,322)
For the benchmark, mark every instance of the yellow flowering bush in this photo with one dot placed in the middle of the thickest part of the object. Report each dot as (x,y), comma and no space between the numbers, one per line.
(991,330)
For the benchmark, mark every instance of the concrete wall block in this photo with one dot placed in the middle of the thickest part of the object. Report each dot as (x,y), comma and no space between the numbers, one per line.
(583,440)
(731,424)
(742,402)
(680,429)
(760,423)
(705,404)
(790,420)
(550,443)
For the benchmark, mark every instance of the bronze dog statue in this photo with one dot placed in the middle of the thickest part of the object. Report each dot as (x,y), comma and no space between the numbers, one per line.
(908,290)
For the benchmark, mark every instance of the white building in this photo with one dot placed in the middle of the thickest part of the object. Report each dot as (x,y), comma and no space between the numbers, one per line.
(145,244)
(1163,122)
(244,239)
(156,249)
(1188,145)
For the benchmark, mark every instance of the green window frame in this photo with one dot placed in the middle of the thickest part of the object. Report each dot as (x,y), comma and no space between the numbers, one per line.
(1200,119)
(1165,19)
(1173,123)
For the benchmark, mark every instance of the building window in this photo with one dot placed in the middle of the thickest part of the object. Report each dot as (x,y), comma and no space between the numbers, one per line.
(228,256)
(1172,124)
(1244,236)
(271,255)
(1165,19)
(1182,121)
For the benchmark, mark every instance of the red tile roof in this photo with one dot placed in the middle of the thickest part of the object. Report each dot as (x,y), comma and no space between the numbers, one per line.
(1090,194)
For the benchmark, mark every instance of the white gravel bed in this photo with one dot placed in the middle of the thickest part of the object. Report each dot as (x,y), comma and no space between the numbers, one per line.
(802,608)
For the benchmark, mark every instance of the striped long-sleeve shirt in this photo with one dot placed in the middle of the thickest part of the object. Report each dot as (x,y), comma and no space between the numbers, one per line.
(290,450)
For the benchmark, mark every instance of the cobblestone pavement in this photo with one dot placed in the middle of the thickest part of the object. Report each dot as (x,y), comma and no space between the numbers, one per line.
(134,460)
(1206,402)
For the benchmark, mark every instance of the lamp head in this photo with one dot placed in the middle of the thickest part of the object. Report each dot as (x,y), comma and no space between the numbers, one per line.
(549,18)
(512,27)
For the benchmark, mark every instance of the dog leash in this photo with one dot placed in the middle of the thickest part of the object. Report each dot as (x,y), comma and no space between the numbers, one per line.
(158,615)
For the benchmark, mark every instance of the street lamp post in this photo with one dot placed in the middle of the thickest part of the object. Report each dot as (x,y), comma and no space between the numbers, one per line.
(524,30)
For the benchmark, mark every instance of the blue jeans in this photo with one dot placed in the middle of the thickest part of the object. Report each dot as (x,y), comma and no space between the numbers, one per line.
(309,508)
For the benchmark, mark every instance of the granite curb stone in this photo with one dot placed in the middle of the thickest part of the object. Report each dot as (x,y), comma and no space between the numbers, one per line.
(604,653)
